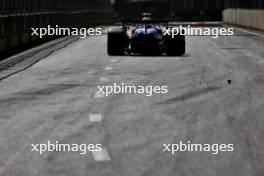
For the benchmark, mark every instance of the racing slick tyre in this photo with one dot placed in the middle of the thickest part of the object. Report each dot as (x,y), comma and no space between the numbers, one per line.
(117,41)
(174,46)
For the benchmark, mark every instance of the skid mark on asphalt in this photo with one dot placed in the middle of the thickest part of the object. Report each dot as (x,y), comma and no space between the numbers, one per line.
(101,156)
(189,95)
(48,90)
(30,58)
(30,95)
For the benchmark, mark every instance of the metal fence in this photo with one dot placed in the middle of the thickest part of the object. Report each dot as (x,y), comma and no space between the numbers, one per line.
(17,17)
(8,7)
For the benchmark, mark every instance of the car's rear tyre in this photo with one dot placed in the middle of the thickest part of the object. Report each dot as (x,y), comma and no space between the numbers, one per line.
(117,41)
(174,46)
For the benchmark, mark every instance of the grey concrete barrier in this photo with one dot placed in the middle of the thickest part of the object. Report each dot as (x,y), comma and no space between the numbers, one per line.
(252,18)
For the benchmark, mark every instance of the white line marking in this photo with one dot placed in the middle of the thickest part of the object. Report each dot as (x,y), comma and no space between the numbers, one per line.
(101,155)
(249,32)
(113,60)
(108,68)
(99,95)
(95,117)
(104,79)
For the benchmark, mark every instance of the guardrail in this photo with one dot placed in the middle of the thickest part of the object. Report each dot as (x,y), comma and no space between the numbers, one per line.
(253,18)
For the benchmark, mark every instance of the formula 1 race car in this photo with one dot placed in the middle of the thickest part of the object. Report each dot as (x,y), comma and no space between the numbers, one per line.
(144,37)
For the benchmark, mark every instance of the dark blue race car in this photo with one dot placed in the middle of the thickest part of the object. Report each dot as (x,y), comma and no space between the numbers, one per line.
(143,38)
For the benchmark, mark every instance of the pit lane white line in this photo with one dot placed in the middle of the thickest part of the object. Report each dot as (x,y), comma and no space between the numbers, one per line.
(95,117)
(104,79)
(113,60)
(101,156)
(108,68)
(99,95)
(250,32)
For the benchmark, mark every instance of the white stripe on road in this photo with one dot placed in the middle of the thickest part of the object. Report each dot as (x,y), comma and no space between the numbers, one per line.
(113,60)
(95,117)
(101,156)
(250,32)
(99,95)
(104,79)
(108,68)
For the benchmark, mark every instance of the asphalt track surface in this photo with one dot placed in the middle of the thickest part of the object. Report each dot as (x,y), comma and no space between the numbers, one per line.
(215,95)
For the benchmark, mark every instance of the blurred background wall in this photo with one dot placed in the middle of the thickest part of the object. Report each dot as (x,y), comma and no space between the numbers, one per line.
(17,17)
(180,10)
